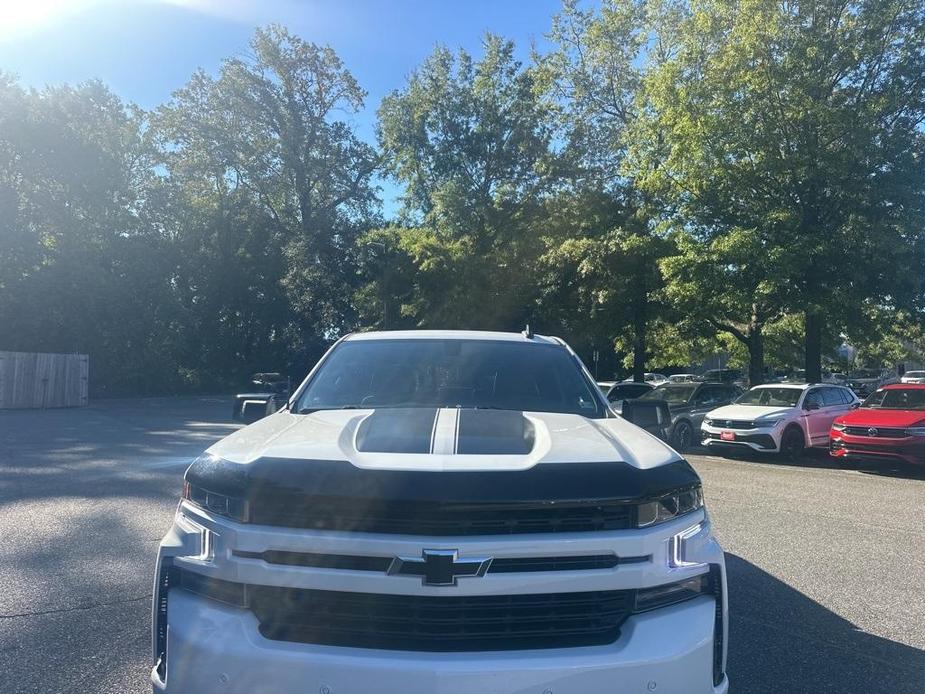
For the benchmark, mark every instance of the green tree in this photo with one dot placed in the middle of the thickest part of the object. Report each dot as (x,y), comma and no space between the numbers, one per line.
(800,122)
(592,77)
(729,283)
(266,130)
(611,277)
(471,140)
(81,266)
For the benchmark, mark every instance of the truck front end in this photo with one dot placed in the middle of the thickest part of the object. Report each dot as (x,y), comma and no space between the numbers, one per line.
(445,546)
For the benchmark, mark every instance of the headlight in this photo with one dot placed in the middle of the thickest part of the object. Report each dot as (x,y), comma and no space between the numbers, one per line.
(220,504)
(838,427)
(915,431)
(769,423)
(708,422)
(669,507)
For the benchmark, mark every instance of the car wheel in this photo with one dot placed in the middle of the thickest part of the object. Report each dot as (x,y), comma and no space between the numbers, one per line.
(792,444)
(682,437)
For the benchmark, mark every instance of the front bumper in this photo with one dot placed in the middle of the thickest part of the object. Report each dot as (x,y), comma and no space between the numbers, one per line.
(216,648)
(910,450)
(762,440)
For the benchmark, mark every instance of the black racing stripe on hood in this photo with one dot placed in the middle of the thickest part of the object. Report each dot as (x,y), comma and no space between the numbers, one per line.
(399,430)
(494,432)
(268,481)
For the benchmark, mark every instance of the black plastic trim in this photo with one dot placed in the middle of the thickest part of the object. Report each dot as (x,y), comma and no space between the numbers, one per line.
(498,565)
(719,671)
(332,495)
(272,479)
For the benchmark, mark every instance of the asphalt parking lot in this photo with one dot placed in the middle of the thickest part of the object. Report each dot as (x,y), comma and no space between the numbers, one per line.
(826,569)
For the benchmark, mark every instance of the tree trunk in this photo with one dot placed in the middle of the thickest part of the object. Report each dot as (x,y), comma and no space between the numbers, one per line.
(812,326)
(639,344)
(755,356)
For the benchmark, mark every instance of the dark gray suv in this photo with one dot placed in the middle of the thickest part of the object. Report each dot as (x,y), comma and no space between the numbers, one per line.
(688,403)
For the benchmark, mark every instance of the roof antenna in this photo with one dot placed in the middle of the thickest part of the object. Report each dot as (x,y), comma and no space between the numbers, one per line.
(527,333)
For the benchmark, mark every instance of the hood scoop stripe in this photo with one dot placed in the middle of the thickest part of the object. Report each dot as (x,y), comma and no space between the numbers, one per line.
(494,432)
(446,431)
(399,430)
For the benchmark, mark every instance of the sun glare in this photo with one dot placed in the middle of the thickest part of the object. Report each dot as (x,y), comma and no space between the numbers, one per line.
(21,17)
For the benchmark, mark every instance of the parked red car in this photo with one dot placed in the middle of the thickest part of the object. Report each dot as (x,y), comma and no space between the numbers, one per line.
(890,424)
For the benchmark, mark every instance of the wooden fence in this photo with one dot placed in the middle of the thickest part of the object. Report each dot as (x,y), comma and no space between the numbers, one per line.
(30,379)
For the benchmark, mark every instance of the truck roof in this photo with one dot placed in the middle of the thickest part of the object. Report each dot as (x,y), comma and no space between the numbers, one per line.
(453,335)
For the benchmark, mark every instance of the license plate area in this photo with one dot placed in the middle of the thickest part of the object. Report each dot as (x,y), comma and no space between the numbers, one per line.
(728,436)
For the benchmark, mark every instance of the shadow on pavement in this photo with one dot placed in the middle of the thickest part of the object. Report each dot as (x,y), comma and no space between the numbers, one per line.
(106,448)
(783,642)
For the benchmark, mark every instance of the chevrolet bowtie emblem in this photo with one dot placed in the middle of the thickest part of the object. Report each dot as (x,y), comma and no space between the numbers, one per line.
(439,567)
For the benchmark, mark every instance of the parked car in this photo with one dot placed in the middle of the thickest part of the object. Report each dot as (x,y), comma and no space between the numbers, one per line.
(722,376)
(431,496)
(621,392)
(605,386)
(781,418)
(653,378)
(799,376)
(684,378)
(889,425)
(688,403)
(913,377)
(865,381)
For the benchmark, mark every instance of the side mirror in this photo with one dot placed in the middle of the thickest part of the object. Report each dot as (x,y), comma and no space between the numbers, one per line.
(811,405)
(855,405)
(249,409)
(651,415)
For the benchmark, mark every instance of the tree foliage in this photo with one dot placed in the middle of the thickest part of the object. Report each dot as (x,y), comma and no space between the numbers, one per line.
(472,142)
(798,123)
(667,181)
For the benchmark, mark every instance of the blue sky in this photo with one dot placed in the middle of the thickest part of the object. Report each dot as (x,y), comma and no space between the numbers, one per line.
(145,49)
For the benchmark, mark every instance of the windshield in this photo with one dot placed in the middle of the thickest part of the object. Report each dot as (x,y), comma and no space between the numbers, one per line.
(770,397)
(898,399)
(451,373)
(675,393)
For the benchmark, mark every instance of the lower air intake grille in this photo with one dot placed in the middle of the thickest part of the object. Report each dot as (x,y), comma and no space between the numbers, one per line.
(427,623)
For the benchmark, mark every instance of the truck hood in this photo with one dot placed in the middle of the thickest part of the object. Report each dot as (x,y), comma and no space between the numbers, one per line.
(445,439)
(362,459)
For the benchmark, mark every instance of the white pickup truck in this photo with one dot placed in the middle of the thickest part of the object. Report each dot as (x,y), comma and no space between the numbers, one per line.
(439,512)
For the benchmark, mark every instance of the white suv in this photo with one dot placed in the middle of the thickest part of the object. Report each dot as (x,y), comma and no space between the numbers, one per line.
(780,418)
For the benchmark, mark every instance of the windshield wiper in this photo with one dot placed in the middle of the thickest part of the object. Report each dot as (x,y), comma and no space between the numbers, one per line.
(311,410)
